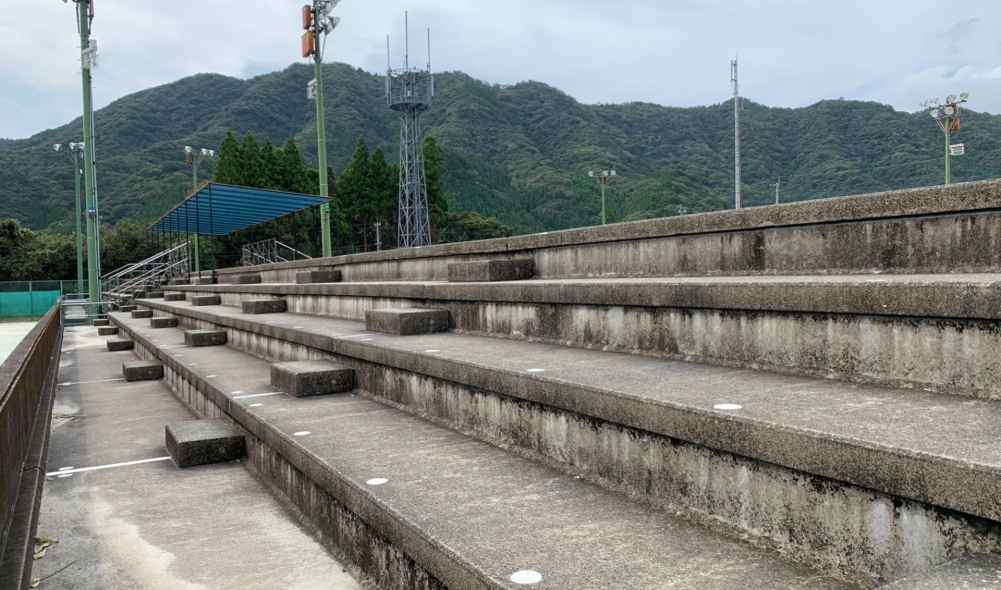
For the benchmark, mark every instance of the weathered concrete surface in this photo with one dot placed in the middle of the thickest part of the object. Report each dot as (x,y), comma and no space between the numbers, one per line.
(128,308)
(512,515)
(260,306)
(142,370)
(932,332)
(309,378)
(151,526)
(142,313)
(518,269)
(882,439)
(971,573)
(934,229)
(247,279)
(203,442)
(198,300)
(178,281)
(163,322)
(104,322)
(407,322)
(203,281)
(107,331)
(174,296)
(117,344)
(318,276)
(154,295)
(800,513)
(196,338)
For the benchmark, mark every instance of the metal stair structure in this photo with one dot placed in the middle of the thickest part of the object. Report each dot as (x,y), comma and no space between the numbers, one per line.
(269,251)
(122,285)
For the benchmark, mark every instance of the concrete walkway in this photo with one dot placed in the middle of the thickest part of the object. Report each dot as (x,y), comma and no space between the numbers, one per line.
(149,525)
(11,335)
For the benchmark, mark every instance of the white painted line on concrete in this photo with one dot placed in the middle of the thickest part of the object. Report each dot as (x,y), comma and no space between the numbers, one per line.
(256,405)
(526,577)
(536,370)
(378,481)
(82,469)
(728,407)
(433,350)
(65,475)
(86,382)
(301,433)
(258,395)
(298,327)
(210,376)
(66,468)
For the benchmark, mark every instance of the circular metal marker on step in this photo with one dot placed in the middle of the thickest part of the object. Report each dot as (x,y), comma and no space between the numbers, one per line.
(65,468)
(378,481)
(728,407)
(535,370)
(526,577)
(300,433)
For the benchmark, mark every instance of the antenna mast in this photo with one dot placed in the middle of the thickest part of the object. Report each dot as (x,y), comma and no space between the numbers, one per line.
(736,132)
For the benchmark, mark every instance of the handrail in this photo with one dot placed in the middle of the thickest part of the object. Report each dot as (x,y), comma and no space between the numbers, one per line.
(128,267)
(147,274)
(269,251)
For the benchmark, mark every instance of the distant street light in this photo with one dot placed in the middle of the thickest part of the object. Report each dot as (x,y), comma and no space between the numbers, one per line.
(194,157)
(74,152)
(778,183)
(603,178)
(947,117)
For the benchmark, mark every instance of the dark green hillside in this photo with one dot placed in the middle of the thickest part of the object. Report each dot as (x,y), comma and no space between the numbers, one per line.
(520,153)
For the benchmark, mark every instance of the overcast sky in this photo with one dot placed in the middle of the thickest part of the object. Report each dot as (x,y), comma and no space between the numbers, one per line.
(671,52)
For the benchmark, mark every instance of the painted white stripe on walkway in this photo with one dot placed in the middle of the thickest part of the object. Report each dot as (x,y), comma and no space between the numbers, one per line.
(258,395)
(82,469)
(86,382)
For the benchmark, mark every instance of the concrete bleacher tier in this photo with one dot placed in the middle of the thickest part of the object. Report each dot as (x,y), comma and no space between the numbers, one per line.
(797,396)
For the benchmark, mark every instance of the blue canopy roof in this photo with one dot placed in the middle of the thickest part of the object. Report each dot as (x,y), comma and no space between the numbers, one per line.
(221,209)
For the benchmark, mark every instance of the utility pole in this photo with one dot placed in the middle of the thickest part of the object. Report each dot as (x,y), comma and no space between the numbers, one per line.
(777,184)
(317,20)
(88,61)
(736,132)
(194,157)
(948,119)
(76,148)
(603,178)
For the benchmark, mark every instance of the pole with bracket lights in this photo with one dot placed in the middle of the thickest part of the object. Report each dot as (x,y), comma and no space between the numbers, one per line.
(603,178)
(947,117)
(75,150)
(194,157)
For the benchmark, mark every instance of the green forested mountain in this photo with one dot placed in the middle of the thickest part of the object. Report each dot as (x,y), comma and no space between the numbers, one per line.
(519,153)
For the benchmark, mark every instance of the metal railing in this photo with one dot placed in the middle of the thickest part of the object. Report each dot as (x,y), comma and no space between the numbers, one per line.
(269,251)
(23,378)
(146,275)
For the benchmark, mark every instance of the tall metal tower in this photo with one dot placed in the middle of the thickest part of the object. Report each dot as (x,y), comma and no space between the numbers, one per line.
(409,92)
(736,132)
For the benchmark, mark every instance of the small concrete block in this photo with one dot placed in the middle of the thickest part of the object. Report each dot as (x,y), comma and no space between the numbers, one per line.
(116,344)
(265,306)
(407,321)
(139,295)
(491,270)
(127,308)
(307,378)
(142,371)
(174,296)
(318,276)
(102,322)
(107,331)
(203,281)
(154,295)
(142,314)
(174,282)
(247,280)
(163,322)
(202,442)
(204,337)
(206,300)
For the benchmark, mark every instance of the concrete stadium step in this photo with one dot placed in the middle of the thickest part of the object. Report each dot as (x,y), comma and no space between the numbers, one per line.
(940,229)
(764,455)
(934,332)
(455,512)
(126,518)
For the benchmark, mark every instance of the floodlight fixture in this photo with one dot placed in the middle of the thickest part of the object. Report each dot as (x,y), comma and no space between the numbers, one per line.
(950,99)
(331,24)
(591,174)
(964,96)
(58,147)
(187,150)
(613,172)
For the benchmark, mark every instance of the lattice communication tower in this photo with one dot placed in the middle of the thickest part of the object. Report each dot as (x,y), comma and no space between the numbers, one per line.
(409,92)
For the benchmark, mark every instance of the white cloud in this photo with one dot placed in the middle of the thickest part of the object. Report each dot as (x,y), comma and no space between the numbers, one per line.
(673,52)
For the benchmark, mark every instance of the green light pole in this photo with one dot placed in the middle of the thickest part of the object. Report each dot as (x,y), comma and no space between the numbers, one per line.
(88,61)
(75,149)
(948,119)
(194,157)
(603,178)
(317,20)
